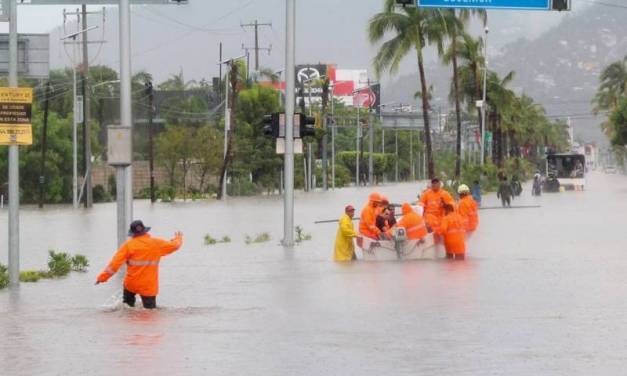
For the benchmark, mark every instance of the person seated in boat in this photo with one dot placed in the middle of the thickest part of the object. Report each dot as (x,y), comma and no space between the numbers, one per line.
(344,246)
(452,229)
(414,225)
(432,200)
(383,220)
(368,218)
(468,208)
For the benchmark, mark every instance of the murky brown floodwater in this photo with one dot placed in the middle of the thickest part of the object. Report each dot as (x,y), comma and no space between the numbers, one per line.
(543,292)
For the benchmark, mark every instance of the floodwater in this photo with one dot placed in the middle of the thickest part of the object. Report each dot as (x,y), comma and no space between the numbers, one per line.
(543,292)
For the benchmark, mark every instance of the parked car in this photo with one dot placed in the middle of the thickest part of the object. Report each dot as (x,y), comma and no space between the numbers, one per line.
(610,169)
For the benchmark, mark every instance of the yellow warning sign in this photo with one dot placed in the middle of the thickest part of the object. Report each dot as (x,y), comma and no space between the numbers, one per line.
(15,116)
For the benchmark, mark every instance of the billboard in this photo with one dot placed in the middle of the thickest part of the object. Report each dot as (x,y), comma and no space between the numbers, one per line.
(307,74)
(368,97)
(33,55)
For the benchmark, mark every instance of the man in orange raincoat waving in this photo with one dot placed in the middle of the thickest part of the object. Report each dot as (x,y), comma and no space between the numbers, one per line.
(142,254)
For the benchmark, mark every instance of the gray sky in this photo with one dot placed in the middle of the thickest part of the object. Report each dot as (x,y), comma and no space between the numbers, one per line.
(169,38)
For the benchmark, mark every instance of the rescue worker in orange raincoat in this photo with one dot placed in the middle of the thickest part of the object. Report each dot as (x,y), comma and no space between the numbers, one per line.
(453,230)
(368,218)
(141,253)
(468,208)
(414,225)
(432,201)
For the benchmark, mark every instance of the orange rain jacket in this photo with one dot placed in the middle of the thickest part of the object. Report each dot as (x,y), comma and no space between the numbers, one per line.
(453,230)
(141,255)
(368,221)
(432,203)
(468,209)
(413,223)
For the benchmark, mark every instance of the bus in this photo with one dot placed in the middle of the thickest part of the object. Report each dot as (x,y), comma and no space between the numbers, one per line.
(569,169)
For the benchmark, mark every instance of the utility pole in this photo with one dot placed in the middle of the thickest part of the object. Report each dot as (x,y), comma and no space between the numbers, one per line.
(14,162)
(220,73)
(357,149)
(151,134)
(290,81)
(81,105)
(44,148)
(255,25)
(333,137)
(86,115)
(483,102)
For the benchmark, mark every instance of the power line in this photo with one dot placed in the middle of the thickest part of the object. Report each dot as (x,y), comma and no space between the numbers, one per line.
(255,25)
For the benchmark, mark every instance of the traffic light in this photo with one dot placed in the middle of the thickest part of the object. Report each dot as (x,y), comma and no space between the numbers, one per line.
(307,125)
(405,3)
(561,5)
(270,125)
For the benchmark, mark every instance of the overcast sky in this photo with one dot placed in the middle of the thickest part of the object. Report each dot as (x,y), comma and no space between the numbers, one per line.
(169,38)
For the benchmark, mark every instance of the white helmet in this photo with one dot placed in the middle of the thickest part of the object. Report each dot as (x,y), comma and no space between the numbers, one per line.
(463,189)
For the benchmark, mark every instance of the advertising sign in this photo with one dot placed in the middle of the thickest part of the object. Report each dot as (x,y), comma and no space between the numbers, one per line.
(368,97)
(15,116)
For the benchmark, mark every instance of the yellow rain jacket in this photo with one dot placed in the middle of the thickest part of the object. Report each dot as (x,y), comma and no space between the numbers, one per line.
(344,246)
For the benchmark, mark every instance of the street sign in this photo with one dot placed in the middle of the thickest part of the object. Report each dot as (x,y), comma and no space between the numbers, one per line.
(15,116)
(96,2)
(488,138)
(488,4)
(33,55)
(119,146)
(78,109)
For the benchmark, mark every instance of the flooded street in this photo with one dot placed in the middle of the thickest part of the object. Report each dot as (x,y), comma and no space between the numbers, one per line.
(542,292)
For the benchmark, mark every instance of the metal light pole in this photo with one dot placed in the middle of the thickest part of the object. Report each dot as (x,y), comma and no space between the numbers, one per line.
(124,181)
(333,128)
(357,148)
(290,48)
(14,159)
(483,103)
(396,153)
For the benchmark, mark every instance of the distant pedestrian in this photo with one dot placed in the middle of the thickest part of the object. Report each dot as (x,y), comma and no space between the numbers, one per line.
(344,245)
(505,192)
(141,254)
(516,186)
(537,185)
(476,192)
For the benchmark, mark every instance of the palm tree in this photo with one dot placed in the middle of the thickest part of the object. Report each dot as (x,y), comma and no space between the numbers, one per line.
(455,21)
(410,29)
(177,82)
(613,86)
(500,100)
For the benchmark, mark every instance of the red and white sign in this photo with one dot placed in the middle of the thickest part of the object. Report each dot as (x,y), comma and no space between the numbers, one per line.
(364,98)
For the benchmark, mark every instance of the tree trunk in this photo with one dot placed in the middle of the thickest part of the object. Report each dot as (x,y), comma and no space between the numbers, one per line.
(228,159)
(425,115)
(458,116)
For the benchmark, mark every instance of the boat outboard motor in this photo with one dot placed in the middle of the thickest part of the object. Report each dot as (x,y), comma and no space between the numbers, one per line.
(400,234)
